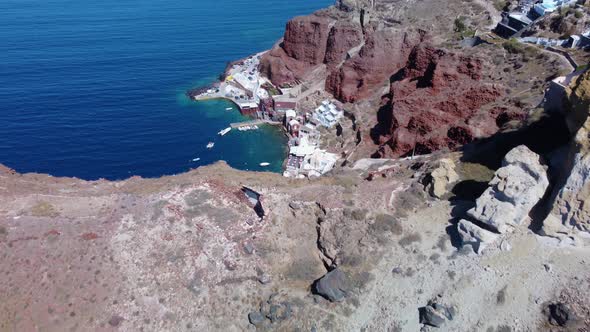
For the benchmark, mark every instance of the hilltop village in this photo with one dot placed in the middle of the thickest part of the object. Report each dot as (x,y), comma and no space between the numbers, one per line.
(444,148)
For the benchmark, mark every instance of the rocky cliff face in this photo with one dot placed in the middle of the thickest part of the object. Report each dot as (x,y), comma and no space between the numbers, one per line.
(437,100)
(303,47)
(384,53)
(571,208)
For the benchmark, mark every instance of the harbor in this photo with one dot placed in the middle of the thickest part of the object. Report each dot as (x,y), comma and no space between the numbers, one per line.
(256,97)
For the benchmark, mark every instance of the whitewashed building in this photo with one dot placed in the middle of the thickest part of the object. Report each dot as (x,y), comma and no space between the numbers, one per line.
(328,114)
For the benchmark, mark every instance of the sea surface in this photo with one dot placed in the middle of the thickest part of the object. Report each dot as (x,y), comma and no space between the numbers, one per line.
(96,89)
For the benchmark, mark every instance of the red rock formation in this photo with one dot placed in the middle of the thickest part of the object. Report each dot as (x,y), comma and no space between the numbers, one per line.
(306,38)
(383,53)
(310,41)
(303,47)
(343,37)
(432,102)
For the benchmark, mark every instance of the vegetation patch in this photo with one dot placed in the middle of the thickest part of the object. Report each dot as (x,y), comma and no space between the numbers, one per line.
(409,239)
(44,209)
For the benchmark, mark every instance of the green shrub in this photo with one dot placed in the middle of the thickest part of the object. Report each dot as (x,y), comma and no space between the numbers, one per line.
(460,25)
(500,5)
(513,46)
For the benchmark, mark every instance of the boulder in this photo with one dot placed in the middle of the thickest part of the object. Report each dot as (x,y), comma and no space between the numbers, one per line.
(441,177)
(256,318)
(333,286)
(475,236)
(513,192)
(435,314)
(571,205)
(558,314)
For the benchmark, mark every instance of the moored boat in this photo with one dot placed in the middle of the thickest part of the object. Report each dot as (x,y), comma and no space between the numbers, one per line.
(224,131)
(264,164)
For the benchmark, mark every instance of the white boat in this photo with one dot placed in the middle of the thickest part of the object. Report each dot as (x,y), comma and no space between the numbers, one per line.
(224,131)
(264,164)
(210,145)
(196,159)
(229,109)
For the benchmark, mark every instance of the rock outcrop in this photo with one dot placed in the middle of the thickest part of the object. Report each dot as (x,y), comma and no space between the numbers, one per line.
(384,53)
(303,47)
(441,177)
(435,102)
(571,207)
(310,41)
(475,236)
(515,189)
(343,37)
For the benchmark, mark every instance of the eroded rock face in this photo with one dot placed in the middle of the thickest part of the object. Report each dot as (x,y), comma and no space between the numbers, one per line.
(435,102)
(343,37)
(310,41)
(384,53)
(306,38)
(571,210)
(515,189)
(303,47)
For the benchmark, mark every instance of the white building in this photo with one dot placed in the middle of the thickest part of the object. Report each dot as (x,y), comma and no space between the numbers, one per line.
(319,163)
(328,114)
(549,6)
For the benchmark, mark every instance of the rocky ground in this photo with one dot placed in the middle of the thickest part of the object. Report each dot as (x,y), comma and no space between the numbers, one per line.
(190,252)
(487,231)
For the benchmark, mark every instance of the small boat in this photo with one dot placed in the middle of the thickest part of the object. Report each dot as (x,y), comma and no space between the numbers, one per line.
(224,131)
(210,145)
(264,164)
(229,109)
(196,159)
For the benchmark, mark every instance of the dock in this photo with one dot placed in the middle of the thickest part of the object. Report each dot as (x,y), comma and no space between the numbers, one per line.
(254,123)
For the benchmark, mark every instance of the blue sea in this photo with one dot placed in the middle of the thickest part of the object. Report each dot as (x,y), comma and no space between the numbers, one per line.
(97,89)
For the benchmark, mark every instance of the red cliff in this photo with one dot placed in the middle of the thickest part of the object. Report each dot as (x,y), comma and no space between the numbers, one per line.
(383,53)
(303,47)
(433,102)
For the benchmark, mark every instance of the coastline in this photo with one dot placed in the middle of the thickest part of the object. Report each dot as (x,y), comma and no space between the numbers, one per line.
(205,94)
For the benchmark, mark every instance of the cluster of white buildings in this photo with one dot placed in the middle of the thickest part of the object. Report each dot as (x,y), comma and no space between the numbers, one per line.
(528,11)
(328,114)
(549,6)
(305,156)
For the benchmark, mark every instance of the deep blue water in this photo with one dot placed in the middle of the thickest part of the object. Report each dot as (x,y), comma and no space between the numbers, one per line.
(96,89)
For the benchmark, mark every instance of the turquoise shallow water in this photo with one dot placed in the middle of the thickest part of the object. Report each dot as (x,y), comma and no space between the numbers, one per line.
(96,89)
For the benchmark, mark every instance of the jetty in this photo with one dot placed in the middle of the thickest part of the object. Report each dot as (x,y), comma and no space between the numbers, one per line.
(254,123)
